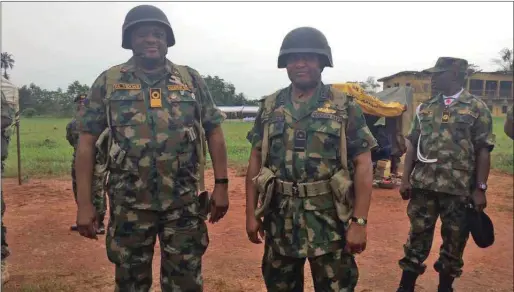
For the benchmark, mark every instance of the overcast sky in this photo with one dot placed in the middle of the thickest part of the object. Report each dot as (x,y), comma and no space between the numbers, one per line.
(56,43)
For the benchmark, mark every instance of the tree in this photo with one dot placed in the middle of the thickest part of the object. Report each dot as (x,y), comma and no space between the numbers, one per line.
(505,62)
(472,69)
(370,85)
(7,63)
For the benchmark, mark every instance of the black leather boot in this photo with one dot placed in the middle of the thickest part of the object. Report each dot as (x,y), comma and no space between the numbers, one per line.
(445,283)
(407,282)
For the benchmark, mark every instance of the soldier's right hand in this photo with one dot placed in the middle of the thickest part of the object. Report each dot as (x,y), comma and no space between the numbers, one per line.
(405,190)
(254,229)
(86,221)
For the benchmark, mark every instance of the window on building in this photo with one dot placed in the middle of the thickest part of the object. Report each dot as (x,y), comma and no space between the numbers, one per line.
(504,109)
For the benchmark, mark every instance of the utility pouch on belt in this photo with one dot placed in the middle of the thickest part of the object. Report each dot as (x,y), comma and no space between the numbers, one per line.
(341,185)
(265,183)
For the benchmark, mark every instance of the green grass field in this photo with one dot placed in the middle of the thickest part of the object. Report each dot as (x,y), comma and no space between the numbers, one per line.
(45,151)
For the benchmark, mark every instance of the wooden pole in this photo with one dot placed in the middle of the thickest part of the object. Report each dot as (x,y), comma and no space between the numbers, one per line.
(18,150)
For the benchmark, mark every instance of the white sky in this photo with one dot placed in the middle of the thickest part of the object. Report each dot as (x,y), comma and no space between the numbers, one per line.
(55,43)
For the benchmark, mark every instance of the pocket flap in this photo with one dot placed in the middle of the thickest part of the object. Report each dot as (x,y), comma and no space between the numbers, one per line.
(318,203)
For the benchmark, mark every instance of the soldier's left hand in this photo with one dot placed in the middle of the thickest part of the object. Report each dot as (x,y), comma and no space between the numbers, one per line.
(219,203)
(479,200)
(356,238)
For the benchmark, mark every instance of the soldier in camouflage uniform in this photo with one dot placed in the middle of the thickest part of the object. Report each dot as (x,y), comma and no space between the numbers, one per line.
(99,197)
(508,126)
(304,123)
(157,114)
(448,171)
(7,120)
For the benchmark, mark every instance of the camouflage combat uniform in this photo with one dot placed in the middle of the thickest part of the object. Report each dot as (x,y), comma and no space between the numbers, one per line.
(97,188)
(308,227)
(443,188)
(7,113)
(153,190)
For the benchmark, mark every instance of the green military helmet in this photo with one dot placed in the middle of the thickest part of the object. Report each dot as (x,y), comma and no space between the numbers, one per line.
(305,40)
(142,14)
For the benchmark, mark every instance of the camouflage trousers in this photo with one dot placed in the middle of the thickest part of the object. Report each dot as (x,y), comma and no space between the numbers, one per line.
(336,271)
(97,188)
(5,247)
(130,241)
(423,210)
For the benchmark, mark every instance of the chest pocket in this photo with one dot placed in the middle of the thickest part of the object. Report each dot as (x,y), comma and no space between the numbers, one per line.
(127,108)
(276,141)
(182,108)
(323,139)
(128,120)
(426,123)
(462,126)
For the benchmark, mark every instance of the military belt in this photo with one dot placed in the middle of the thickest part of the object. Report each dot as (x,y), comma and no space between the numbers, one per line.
(303,190)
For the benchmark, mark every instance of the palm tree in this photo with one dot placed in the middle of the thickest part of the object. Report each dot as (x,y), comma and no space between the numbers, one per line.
(7,63)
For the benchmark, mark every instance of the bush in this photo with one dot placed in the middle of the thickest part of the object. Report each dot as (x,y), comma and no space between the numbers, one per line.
(29,112)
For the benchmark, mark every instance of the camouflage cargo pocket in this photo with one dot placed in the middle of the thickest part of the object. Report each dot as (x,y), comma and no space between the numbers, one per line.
(341,186)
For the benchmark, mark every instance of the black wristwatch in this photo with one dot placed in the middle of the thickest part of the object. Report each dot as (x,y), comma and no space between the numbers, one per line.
(359,221)
(221,181)
(482,186)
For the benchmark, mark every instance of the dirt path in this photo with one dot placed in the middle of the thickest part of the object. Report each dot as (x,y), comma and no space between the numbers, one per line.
(46,256)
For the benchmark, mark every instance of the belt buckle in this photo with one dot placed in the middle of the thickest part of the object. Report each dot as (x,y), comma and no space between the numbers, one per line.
(295,189)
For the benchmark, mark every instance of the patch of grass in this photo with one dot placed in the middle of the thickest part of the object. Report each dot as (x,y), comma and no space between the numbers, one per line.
(46,152)
(502,155)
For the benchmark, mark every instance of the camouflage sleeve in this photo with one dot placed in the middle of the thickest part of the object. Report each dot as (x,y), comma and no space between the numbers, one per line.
(358,136)
(91,117)
(211,115)
(414,132)
(255,134)
(69,133)
(7,113)
(482,130)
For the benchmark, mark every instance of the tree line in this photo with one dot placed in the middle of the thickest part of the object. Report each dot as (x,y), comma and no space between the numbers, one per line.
(35,100)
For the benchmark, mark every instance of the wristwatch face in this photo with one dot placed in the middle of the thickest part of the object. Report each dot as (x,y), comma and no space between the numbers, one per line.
(359,221)
(482,186)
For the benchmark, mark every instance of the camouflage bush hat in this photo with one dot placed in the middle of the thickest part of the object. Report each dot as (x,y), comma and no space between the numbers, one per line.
(448,63)
(481,227)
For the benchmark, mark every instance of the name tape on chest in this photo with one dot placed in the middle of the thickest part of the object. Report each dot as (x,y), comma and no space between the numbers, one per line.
(330,116)
(178,87)
(155,98)
(127,86)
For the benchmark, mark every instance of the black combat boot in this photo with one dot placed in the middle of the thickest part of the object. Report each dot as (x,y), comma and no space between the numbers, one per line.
(407,282)
(445,283)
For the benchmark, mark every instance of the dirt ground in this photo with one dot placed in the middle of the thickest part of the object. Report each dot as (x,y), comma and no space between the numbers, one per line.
(46,256)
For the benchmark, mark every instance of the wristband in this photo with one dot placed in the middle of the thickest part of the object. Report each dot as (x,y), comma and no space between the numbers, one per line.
(221,181)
